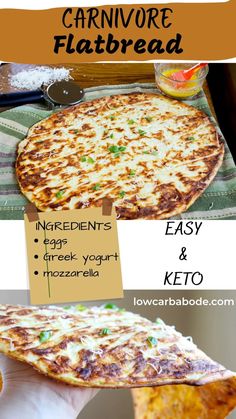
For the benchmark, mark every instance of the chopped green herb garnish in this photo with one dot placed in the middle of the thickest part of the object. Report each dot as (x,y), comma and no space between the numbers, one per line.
(113,149)
(112,136)
(44,336)
(110,306)
(96,187)
(67,307)
(112,117)
(151,341)
(154,153)
(75,131)
(132,172)
(148,118)
(90,160)
(117,155)
(146,152)
(116,149)
(80,307)
(59,194)
(141,132)
(131,121)
(83,159)
(122,194)
(105,332)
(191,138)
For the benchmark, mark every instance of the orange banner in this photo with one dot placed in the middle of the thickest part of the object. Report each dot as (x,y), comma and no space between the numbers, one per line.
(119,33)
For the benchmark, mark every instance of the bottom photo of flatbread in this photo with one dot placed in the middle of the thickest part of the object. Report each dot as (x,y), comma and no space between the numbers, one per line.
(112,348)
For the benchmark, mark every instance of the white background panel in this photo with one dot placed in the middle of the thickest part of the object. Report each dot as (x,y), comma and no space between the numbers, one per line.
(146,254)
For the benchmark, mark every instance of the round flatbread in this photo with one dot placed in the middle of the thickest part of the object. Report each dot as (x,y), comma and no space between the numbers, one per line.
(153,156)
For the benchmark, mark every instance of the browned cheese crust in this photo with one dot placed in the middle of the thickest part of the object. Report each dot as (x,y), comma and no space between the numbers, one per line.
(211,401)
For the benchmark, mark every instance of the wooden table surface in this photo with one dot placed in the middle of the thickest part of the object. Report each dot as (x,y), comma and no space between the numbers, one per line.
(89,75)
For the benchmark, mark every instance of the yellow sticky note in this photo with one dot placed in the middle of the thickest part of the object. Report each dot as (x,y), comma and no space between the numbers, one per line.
(73,256)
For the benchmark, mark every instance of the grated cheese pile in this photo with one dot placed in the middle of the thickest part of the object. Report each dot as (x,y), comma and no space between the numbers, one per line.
(34,78)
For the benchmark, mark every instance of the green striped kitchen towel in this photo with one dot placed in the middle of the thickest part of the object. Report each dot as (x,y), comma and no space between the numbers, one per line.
(217,202)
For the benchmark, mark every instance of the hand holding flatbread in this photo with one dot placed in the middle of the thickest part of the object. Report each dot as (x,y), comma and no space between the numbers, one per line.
(34,395)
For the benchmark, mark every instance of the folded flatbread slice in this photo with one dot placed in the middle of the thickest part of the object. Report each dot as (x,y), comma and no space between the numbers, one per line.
(138,149)
(210,401)
(103,347)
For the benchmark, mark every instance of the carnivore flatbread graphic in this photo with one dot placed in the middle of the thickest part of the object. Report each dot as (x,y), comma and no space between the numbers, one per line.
(103,347)
(153,156)
(211,401)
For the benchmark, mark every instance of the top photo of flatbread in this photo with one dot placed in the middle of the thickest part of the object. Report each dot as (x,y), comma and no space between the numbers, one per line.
(153,156)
